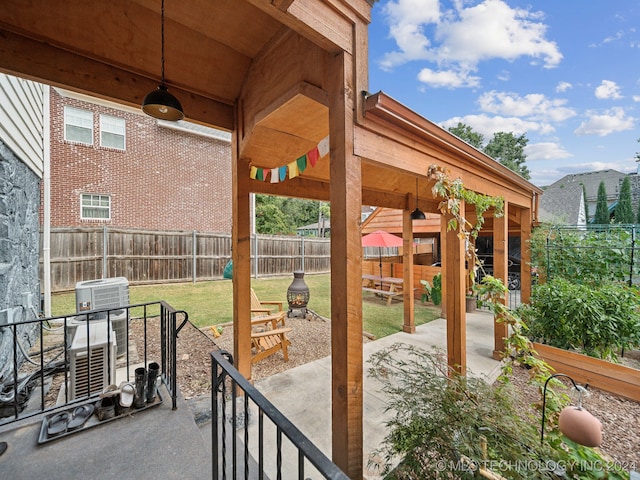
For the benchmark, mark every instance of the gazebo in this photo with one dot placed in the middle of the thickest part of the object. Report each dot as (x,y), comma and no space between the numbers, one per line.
(289,79)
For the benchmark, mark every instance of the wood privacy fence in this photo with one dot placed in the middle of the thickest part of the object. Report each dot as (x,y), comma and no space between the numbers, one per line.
(146,257)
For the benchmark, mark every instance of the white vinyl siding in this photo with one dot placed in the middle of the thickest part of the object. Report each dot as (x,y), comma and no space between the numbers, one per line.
(95,207)
(78,125)
(112,132)
(22,122)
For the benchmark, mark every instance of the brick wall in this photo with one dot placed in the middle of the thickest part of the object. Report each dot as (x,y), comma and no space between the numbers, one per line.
(164,179)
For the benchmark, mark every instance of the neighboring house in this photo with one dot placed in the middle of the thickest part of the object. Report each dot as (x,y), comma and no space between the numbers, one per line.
(564,205)
(23,142)
(323,228)
(113,166)
(563,202)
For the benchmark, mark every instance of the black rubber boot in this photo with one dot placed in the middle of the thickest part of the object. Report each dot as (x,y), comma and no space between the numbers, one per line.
(152,382)
(140,395)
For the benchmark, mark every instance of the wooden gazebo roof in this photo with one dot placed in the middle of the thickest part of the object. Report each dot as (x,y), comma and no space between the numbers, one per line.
(282,76)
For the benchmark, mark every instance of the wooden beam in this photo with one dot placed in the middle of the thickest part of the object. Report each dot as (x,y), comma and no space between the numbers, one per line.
(409,324)
(501,271)
(241,256)
(346,272)
(453,283)
(525,255)
(41,62)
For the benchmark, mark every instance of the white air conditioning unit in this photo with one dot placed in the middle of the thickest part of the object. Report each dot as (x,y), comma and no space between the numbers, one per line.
(92,361)
(102,293)
(105,293)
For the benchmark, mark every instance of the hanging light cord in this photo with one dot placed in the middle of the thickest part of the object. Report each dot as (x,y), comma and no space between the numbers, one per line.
(162,41)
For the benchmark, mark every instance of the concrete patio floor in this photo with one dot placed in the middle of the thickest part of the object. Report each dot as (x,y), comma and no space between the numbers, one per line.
(303,394)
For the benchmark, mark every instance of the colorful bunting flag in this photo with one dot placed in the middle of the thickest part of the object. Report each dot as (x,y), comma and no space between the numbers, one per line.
(312,156)
(295,168)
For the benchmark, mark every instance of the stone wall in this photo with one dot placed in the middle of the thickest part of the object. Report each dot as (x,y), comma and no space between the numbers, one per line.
(19,252)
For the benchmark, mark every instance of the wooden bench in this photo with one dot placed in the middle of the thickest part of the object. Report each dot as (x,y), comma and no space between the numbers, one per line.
(384,293)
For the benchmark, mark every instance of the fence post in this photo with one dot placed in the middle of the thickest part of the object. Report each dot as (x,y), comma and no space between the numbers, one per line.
(105,269)
(194,252)
(255,255)
(302,254)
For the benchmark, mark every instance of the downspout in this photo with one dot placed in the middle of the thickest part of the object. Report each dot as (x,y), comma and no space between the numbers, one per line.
(46,214)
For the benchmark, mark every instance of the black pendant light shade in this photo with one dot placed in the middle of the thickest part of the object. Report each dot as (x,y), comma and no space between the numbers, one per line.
(159,103)
(417,214)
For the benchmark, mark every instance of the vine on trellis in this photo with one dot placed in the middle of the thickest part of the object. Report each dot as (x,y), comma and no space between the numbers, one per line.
(453,193)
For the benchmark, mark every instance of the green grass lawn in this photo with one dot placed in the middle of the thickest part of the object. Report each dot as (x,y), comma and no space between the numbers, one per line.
(210,303)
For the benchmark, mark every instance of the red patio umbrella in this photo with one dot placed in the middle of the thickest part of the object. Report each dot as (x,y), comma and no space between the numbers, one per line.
(381,239)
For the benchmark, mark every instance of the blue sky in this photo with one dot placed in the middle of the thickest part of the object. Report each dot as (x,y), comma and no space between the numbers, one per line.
(566,73)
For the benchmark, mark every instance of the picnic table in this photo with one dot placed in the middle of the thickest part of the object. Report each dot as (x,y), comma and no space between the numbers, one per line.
(389,287)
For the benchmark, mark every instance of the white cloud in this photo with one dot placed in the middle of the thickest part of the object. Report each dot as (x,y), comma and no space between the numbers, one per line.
(613,120)
(460,38)
(491,30)
(542,177)
(487,125)
(608,90)
(546,151)
(533,105)
(636,98)
(563,87)
(447,78)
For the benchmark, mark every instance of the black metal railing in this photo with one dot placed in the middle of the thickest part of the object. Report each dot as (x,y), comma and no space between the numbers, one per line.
(66,360)
(252,439)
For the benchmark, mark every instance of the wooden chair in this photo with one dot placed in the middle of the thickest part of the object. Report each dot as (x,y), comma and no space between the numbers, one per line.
(267,340)
(262,313)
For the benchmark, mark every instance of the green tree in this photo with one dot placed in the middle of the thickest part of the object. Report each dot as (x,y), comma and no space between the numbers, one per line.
(586,204)
(466,133)
(282,215)
(602,210)
(270,220)
(508,149)
(624,210)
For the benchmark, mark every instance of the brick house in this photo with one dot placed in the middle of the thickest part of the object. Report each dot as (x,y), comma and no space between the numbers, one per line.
(113,166)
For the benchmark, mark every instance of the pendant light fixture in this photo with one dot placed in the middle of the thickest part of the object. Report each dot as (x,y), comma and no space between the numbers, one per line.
(417,214)
(160,103)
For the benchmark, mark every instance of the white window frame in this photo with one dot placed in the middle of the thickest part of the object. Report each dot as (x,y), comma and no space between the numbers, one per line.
(77,118)
(96,200)
(114,126)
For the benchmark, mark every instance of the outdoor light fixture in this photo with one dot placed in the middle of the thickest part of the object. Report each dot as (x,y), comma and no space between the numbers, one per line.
(575,423)
(417,214)
(160,103)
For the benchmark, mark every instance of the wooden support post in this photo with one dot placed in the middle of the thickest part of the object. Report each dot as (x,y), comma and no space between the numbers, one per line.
(501,271)
(346,271)
(454,293)
(525,255)
(409,324)
(241,256)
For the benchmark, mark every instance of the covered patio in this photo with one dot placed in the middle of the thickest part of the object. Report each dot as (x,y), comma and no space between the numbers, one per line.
(289,79)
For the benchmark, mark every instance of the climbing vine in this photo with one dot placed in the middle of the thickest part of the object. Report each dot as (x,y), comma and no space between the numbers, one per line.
(453,193)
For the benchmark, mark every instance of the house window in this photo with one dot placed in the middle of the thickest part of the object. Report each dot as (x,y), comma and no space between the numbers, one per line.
(95,207)
(78,125)
(112,132)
